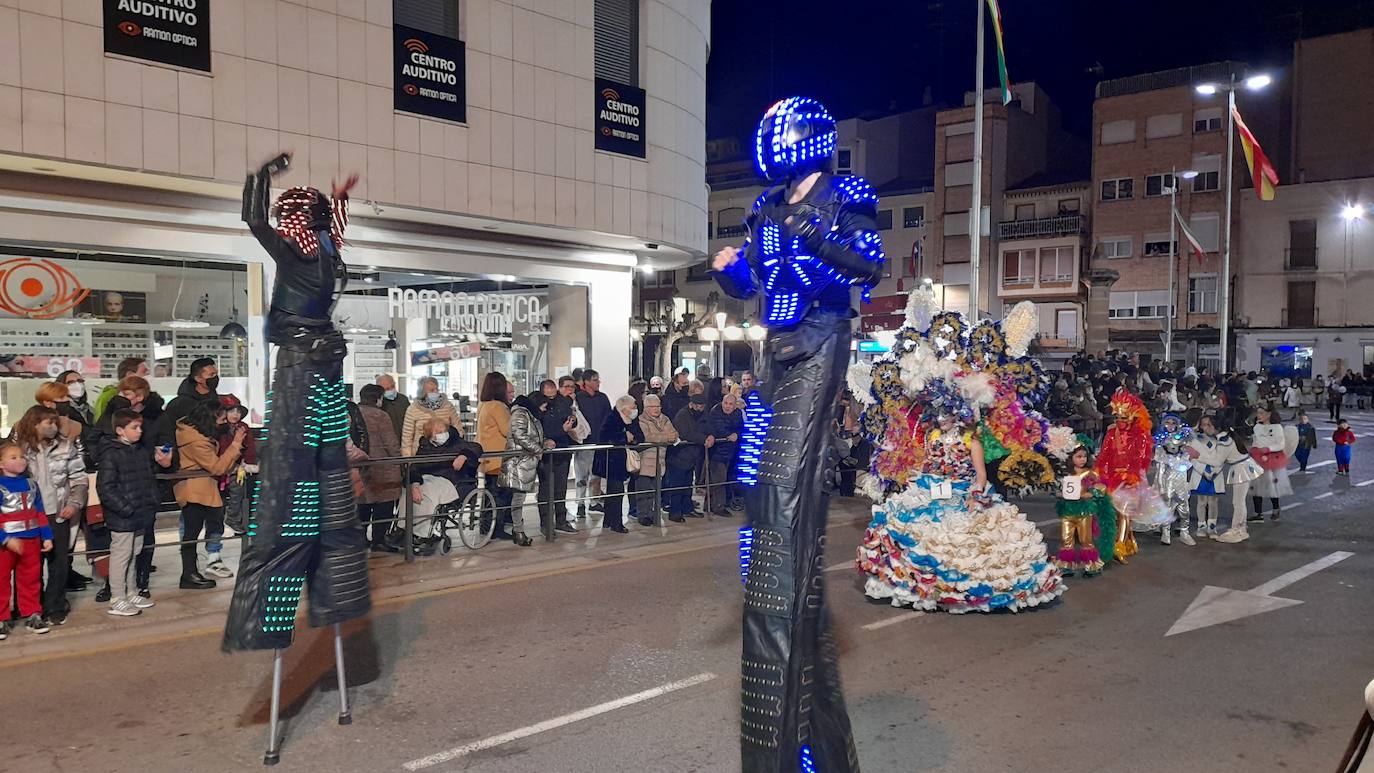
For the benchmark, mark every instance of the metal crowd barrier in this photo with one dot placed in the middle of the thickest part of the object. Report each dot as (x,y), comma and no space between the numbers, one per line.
(548,524)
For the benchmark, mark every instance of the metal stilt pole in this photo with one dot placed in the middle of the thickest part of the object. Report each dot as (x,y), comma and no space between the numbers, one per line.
(273,755)
(345,716)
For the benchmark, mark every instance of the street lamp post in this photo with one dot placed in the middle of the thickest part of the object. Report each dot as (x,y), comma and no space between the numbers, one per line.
(1253,83)
(1173,259)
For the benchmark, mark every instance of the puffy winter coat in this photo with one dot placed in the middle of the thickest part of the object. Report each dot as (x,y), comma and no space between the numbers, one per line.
(493,426)
(127,485)
(521,473)
(417,415)
(381,482)
(197,452)
(60,470)
(721,426)
(656,430)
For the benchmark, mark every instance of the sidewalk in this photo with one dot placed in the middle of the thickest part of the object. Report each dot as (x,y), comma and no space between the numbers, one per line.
(185,614)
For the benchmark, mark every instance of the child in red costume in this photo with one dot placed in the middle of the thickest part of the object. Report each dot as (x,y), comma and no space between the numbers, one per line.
(1124,459)
(24,537)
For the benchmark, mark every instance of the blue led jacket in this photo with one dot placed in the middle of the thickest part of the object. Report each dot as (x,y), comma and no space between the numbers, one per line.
(830,244)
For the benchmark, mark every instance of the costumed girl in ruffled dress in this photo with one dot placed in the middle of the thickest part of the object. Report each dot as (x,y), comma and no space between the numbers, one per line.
(1087,519)
(1223,468)
(1271,445)
(940,538)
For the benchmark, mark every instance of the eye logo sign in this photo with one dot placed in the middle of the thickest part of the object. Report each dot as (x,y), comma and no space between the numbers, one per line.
(130,28)
(38,289)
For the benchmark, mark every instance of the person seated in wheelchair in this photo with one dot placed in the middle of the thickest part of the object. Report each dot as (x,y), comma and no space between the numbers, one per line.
(442,482)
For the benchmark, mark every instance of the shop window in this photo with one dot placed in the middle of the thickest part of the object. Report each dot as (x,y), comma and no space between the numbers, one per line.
(617,40)
(1118,189)
(1286,360)
(437,16)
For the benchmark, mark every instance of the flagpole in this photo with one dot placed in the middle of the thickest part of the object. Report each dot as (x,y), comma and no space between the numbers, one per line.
(1173,261)
(1224,287)
(976,212)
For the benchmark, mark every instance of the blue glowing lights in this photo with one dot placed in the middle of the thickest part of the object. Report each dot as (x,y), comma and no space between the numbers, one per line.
(746,550)
(757,417)
(795,133)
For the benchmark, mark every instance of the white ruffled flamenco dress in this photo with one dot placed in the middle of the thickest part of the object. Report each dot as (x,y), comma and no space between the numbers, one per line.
(933,547)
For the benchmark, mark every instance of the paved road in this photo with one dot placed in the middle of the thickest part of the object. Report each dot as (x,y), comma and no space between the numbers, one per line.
(1090,684)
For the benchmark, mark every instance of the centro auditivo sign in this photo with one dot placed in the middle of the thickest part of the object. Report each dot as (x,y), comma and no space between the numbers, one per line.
(430,74)
(175,32)
(468,312)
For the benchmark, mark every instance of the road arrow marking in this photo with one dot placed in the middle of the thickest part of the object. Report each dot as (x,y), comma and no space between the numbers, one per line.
(1222,605)
(1324,496)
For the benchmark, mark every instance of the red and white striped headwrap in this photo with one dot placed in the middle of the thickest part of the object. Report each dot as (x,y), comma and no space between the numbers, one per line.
(294,218)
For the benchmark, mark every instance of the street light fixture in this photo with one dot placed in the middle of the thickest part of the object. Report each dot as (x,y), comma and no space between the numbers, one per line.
(1353,211)
(1254,82)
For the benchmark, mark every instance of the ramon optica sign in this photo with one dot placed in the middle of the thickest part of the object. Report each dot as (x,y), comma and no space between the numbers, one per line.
(175,32)
(619,118)
(430,74)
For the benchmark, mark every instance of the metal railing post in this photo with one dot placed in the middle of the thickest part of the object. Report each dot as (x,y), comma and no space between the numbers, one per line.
(547,524)
(660,460)
(407,539)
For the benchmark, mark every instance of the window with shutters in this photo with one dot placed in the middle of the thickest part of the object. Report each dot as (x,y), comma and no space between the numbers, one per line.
(884,220)
(1208,173)
(1018,268)
(437,16)
(1302,244)
(1202,294)
(1116,247)
(1118,189)
(617,40)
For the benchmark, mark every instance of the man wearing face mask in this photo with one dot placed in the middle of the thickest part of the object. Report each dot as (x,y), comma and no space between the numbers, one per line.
(558,421)
(686,457)
(199,386)
(393,402)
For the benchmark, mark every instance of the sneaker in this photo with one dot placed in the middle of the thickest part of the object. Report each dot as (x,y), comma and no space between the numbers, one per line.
(35,624)
(1255,518)
(145,593)
(103,595)
(122,608)
(56,618)
(1186,538)
(1232,536)
(4,630)
(139,601)
(218,569)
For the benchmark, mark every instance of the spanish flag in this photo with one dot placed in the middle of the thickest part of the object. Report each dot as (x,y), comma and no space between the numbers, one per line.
(1262,172)
(1001,51)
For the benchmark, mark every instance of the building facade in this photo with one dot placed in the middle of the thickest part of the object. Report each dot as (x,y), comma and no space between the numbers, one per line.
(125,167)
(1148,131)
(1042,236)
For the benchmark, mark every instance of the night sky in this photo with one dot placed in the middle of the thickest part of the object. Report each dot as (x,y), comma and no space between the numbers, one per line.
(869,56)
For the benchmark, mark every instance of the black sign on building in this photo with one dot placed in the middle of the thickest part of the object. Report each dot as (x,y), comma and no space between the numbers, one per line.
(175,32)
(619,118)
(430,74)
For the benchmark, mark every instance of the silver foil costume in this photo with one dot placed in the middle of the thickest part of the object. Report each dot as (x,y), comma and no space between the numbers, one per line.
(803,257)
(303,527)
(1170,467)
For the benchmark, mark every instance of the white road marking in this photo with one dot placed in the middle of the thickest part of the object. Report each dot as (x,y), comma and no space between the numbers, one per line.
(1216,605)
(557,722)
(1288,578)
(841,565)
(1321,464)
(902,618)
(1364,483)
(1324,496)
(1046,522)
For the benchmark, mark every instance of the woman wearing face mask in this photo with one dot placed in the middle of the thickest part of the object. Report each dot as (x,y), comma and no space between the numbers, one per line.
(620,429)
(55,397)
(76,392)
(656,428)
(430,405)
(55,463)
(442,481)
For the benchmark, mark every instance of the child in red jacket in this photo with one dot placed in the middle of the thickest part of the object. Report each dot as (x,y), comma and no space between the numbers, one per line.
(1344,438)
(24,537)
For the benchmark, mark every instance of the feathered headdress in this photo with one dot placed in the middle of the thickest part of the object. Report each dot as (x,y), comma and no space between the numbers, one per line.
(1126,405)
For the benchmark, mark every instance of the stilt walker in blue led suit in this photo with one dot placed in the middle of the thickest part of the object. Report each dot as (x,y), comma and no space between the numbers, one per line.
(812,238)
(303,525)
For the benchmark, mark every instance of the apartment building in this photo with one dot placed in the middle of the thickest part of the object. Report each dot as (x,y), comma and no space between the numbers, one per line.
(1043,237)
(1148,131)
(1021,140)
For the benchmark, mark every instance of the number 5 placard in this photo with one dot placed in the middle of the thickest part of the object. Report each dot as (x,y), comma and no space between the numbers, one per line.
(1071,488)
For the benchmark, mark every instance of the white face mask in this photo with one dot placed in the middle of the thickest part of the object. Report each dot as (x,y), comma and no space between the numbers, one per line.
(634,414)
(389,394)
(440,438)
(76,389)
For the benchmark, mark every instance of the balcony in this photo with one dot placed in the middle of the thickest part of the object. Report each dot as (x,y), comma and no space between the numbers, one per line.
(1059,225)
(1058,343)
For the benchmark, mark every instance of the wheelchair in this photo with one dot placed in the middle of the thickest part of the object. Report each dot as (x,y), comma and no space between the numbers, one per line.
(473,515)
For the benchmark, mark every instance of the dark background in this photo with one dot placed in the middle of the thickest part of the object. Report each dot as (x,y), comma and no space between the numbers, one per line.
(876,56)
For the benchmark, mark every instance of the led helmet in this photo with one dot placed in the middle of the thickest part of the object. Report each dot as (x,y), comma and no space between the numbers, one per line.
(796,136)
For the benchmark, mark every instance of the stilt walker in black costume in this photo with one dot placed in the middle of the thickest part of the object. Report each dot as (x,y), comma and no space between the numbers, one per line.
(812,238)
(303,528)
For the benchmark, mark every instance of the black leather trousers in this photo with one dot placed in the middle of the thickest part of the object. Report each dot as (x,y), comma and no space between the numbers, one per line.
(790,681)
(303,526)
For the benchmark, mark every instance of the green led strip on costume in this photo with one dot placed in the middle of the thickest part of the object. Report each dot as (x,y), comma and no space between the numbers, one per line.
(253,507)
(304,520)
(282,598)
(326,412)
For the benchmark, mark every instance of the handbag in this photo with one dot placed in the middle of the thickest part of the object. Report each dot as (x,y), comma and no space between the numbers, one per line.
(632,461)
